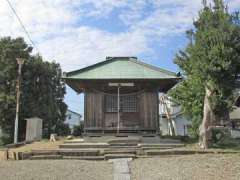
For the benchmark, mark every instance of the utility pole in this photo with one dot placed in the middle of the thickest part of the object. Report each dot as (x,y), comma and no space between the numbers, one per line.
(20,62)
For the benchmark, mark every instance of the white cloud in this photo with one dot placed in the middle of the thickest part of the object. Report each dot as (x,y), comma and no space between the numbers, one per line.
(101,8)
(234,4)
(56,26)
(84,46)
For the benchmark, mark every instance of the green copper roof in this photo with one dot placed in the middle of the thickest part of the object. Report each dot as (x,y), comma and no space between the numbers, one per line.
(120,68)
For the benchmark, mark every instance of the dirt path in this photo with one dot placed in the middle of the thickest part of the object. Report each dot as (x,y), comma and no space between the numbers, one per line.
(194,167)
(55,170)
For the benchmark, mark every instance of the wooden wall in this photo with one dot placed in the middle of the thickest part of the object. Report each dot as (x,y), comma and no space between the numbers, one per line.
(94,113)
(148,109)
(146,116)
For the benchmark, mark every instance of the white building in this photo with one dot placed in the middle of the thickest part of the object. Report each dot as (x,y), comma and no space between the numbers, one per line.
(180,123)
(73,118)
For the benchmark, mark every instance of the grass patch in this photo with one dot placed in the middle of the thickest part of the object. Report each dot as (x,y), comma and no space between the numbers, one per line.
(232,144)
(224,144)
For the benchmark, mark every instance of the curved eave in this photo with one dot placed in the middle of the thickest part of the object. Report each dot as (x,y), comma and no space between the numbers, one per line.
(79,85)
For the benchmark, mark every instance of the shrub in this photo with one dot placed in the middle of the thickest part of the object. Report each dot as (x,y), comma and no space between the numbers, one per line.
(78,129)
(62,130)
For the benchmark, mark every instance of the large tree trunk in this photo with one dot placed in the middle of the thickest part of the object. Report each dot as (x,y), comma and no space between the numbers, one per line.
(204,129)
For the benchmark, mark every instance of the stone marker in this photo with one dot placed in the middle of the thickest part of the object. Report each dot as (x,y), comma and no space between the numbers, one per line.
(53,137)
(33,129)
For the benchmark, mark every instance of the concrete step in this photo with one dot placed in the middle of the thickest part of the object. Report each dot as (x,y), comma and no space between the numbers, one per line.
(79,152)
(169,141)
(74,141)
(43,157)
(67,152)
(83,145)
(168,152)
(120,151)
(156,148)
(124,144)
(117,156)
(94,158)
(44,152)
(126,140)
(173,145)
(124,147)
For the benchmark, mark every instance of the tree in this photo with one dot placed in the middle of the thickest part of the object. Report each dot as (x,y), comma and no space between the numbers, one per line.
(42,89)
(190,94)
(43,93)
(10,49)
(210,65)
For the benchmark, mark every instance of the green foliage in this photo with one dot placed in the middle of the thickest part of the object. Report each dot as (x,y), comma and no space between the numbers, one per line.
(77,130)
(211,60)
(222,139)
(42,89)
(63,129)
(190,95)
(10,49)
(43,93)
(5,139)
(218,135)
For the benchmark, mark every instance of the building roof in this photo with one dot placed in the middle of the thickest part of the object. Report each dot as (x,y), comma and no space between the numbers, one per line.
(73,112)
(120,68)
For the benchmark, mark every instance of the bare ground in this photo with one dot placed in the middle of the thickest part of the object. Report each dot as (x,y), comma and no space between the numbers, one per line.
(44,145)
(188,167)
(55,170)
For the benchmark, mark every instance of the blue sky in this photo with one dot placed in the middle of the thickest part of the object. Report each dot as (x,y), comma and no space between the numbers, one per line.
(78,33)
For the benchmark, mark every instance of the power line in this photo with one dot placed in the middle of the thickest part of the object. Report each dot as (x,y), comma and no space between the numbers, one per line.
(22,25)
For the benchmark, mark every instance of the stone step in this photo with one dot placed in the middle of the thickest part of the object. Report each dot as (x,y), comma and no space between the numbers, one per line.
(168,152)
(149,135)
(156,148)
(74,141)
(67,152)
(120,151)
(124,144)
(79,152)
(83,145)
(169,141)
(94,158)
(124,147)
(44,152)
(161,145)
(124,141)
(43,157)
(117,156)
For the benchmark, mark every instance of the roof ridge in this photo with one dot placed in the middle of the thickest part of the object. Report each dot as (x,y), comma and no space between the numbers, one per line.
(153,67)
(112,59)
(74,112)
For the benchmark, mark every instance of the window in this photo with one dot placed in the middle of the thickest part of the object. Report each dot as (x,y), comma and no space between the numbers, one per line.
(128,103)
(111,103)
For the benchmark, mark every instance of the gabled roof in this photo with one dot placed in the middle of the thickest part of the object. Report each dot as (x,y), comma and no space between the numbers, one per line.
(73,112)
(120,68)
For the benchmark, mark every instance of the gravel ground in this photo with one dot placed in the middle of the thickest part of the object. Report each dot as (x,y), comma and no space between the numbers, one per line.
(188,167)
(55,170)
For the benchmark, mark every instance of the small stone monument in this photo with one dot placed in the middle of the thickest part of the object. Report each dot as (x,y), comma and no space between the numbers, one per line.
(33,129)
(53,137)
